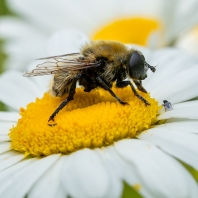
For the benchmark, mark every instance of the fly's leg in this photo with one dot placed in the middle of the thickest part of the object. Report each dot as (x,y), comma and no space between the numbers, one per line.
(138,83)
(106,87)
(70,97)
(122,84)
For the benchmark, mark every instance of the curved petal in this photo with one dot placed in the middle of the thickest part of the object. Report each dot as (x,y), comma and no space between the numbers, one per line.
(9,174)
(184,18)
(84,170)
(169,63)
(189,41)
(4,147)
(180,88)
(121,170)
(11,27)
(183,112)
(9,116)
(4,138)
(183,139)
(65,41)
(15,90)
(190,126)
(5,127)
(49,185)
(10,158)
(171,147)
(155,168)
(25,179)
(116,185)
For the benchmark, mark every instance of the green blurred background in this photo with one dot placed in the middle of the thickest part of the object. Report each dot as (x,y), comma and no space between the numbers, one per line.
(3,11)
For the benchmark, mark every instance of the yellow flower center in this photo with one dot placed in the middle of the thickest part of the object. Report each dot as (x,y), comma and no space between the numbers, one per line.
(136,30)
(91,120)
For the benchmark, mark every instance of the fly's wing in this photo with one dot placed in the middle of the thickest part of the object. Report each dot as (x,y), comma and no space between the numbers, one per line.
(62,63)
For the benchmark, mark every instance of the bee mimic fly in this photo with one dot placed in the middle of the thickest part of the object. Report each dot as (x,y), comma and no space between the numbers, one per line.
(99,64)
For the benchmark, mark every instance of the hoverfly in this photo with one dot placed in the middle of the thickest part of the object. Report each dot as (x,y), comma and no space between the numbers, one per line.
(99,64)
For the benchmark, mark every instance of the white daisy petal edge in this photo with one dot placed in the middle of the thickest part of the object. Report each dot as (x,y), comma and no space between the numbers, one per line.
(9,116)
(85,171)
(179,88)
(31,174)
(13,85)
(175,143)
(52,188)
(155,168)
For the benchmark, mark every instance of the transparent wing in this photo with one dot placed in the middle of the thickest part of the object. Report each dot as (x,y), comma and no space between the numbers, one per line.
(58,64)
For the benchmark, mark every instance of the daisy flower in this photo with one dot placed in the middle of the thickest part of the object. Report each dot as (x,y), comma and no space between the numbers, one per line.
(153,23)
(96,143)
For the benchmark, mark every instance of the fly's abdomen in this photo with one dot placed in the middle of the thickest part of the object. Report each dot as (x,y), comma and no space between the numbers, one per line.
(61,84)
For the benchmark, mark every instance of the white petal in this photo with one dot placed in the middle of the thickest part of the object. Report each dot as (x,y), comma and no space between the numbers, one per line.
(182,87)
(122,170)
(24,50)
(4,146)
(66,41)
(190,126)
(189,41)
(186,112)
(169,63)
(9,116)
(161,174)
(193,103)
(10,158)
(16,90)
(184,17)
(192,185)
(84,170)
(25,179)
(116,183)
(172,148)
(183,139)
(11,27)
(45,16)
(68,10)
(49,184)
(10,173)
(4,138)
(5,127)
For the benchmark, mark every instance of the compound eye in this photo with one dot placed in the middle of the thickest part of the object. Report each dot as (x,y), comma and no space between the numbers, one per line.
(134,60)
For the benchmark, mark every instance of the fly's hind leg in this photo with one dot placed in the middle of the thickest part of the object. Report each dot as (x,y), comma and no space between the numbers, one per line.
(106,87)
(122,84)
(70,97)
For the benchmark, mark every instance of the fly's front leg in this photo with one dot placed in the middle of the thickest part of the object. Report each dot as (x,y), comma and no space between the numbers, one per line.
(70,97)
(106,87)
(138,83)
(122,84)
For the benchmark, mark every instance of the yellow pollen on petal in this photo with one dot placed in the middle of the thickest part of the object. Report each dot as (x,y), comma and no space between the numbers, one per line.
(91,120)
(135,30)
(137,187)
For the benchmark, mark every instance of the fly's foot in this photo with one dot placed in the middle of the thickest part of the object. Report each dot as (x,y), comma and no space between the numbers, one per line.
(51,118)
(54,124)
(146,102)
(51,121)
(123,103)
